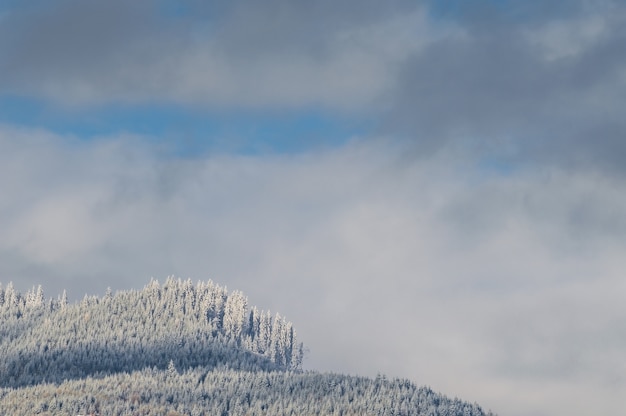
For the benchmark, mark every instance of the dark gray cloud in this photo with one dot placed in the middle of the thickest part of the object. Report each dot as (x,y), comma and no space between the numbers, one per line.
(531,89)
(244,54)
(69,38)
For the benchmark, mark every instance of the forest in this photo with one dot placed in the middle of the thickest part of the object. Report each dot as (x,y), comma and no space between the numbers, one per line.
(178,348)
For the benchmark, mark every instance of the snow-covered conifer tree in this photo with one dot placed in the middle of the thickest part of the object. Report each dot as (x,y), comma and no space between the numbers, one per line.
(235,314)
(171,369)
(63,300)
(11,296)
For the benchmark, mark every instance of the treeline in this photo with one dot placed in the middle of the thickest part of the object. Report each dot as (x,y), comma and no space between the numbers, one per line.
(190,325)
(224,392)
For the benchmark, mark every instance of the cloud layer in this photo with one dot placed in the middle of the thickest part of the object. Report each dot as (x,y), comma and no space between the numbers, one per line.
(526,81)
(503,289)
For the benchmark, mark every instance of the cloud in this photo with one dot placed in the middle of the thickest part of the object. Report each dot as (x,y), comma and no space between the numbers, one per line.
(279,54)
(521,88)
(504,289)
(521,82)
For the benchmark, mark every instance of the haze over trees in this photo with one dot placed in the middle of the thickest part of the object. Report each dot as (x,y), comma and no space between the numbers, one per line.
(177,348)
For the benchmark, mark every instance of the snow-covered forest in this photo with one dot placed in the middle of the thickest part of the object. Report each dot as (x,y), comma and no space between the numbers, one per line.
(177,348)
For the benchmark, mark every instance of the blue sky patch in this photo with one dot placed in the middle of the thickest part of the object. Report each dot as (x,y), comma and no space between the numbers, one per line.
(188,132)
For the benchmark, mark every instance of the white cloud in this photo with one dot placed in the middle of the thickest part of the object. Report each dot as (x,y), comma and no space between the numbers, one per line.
(506,290)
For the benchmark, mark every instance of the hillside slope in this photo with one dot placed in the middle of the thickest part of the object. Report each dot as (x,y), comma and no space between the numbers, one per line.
(191,325)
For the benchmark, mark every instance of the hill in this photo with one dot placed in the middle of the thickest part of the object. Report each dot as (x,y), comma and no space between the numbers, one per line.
(177,348)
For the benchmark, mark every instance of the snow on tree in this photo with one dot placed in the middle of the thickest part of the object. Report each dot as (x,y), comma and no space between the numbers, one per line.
(136,329)
(235,314)
(11,296)
(63,300)
(171,369)
(142,353)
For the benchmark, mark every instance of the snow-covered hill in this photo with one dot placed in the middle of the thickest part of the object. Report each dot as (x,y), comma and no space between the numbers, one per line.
(177,348)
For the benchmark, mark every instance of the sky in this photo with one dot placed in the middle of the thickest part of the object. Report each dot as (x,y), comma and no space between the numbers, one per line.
(433,190)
